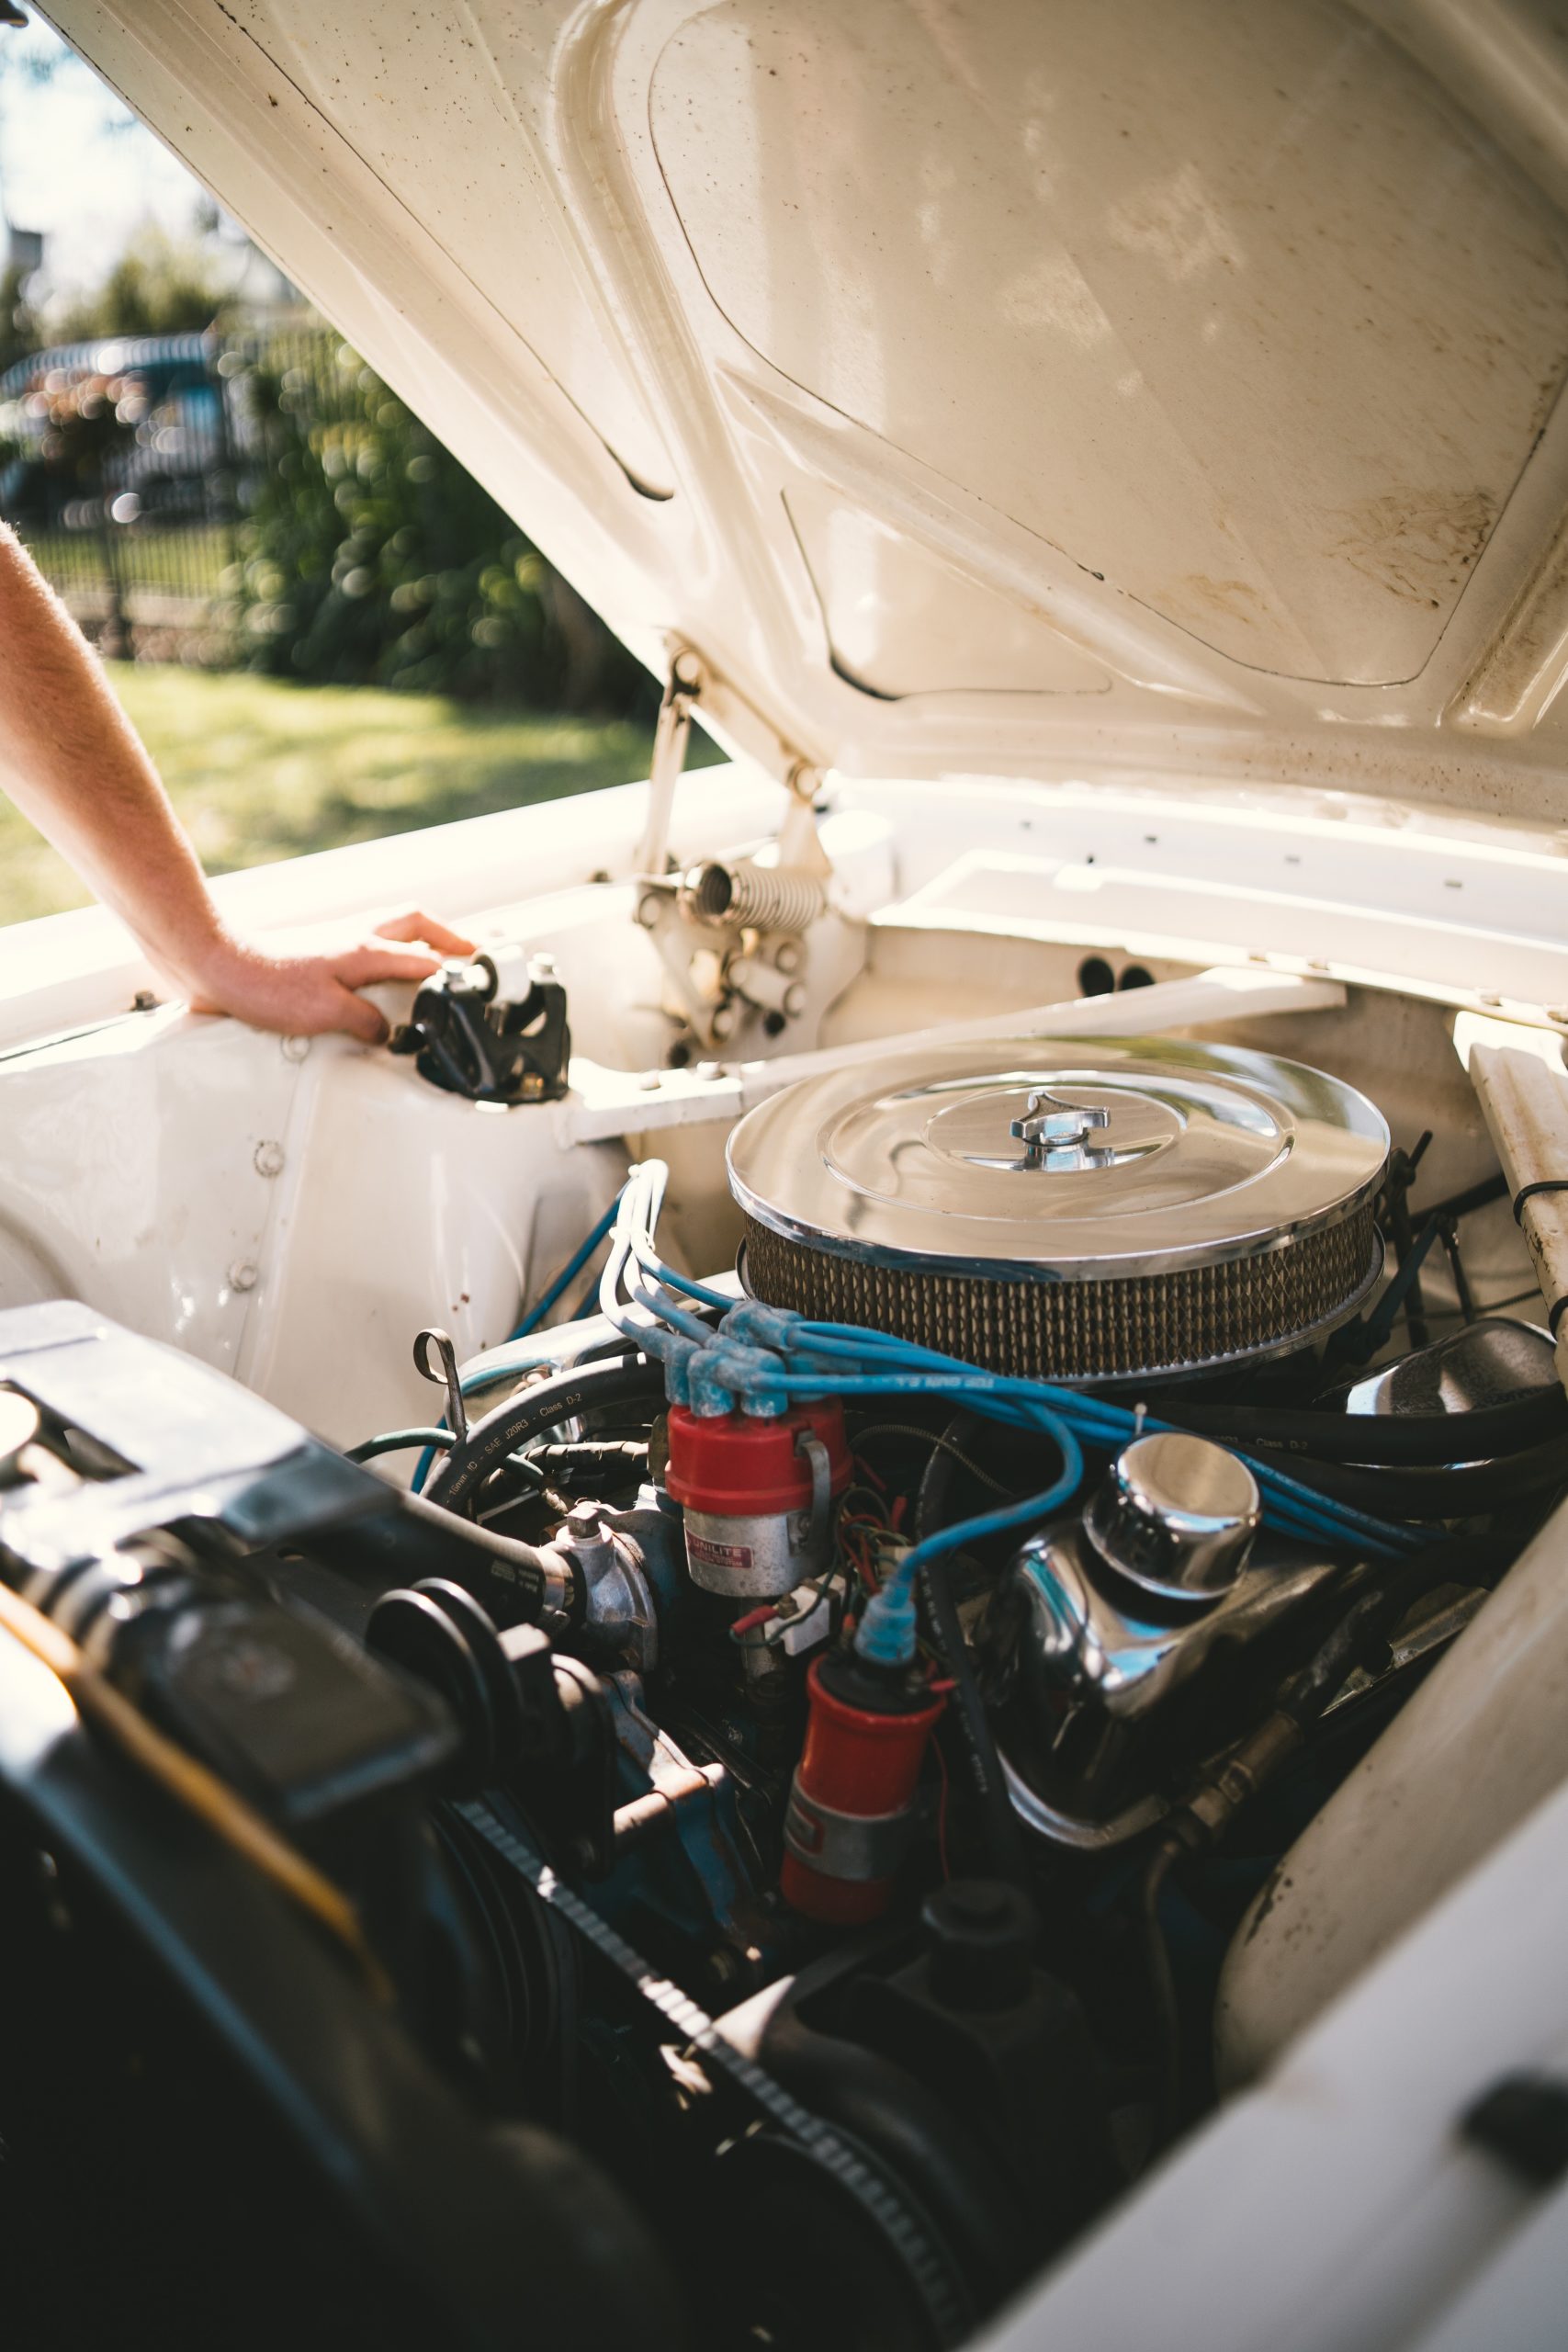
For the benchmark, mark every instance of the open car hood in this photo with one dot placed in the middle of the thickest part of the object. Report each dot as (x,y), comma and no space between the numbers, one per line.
(973,385)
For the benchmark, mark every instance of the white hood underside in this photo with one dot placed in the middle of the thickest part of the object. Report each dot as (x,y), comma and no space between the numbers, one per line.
(1001,387)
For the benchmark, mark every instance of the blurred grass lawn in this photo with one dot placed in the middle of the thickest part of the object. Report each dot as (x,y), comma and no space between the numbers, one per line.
(188,561)
(260,769)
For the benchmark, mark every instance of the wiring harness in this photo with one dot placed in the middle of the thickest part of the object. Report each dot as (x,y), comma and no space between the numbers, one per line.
(759,1360)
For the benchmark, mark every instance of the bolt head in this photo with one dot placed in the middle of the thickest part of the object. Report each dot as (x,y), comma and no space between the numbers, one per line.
(242,1275)
(267,1159)
(294,1050)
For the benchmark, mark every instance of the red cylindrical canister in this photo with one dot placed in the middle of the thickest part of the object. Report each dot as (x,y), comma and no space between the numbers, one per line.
(852,1803)
(748,1487)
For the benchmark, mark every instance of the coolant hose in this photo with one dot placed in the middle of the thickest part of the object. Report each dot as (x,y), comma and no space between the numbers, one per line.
(586,1389)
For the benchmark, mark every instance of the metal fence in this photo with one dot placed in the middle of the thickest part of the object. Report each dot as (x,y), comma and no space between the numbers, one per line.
(127,465)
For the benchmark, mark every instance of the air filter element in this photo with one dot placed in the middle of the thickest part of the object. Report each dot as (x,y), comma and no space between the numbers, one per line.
(1064,1210)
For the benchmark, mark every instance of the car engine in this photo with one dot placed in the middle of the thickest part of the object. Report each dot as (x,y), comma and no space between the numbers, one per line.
(742,1850)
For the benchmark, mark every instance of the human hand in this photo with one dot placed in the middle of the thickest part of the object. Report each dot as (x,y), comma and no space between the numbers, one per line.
(306,996)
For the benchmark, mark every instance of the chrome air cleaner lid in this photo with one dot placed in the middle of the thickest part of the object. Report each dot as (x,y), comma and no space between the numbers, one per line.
(1084,1210)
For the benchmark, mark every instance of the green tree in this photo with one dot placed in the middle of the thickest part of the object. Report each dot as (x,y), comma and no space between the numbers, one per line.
(370,555)
(19,330)
(160,285)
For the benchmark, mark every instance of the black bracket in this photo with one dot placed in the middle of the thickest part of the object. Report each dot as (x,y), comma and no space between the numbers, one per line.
(471,1042)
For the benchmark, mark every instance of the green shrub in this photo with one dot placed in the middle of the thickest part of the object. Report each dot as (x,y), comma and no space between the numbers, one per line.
(369,556)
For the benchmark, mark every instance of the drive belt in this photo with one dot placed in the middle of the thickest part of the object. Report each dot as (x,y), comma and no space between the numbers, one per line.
(927,2264)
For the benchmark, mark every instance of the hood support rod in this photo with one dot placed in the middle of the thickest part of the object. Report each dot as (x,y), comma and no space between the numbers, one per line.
(671,738)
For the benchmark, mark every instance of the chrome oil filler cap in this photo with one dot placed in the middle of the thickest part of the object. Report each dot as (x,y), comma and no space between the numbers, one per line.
(1176,1516)
(1068,1209)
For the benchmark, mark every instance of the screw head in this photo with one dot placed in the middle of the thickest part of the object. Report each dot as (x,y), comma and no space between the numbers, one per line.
(242,1275)
(294,1050)
(267,1159)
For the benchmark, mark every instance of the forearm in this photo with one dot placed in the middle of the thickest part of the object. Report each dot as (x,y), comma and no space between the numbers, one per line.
(73,762)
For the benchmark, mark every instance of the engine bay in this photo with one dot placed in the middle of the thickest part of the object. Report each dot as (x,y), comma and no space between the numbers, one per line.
(842,1622)
(799,1743)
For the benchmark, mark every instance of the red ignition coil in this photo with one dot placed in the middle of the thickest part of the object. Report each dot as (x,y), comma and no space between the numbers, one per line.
(853,1801)
(757,1492)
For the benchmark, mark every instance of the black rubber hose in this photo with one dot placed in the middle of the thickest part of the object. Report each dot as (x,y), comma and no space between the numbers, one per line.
(1003,1841)
(1421,1441)
(410,1537)
(1435,1493)
(588,1388)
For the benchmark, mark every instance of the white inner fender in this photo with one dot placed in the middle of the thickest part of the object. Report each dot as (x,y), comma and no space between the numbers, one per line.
(1482,1743)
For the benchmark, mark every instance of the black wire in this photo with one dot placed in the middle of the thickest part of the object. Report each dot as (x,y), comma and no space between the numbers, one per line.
(1003,1839)
(1162,1996)
(588,1388)
(938,1438)
(1447,1233)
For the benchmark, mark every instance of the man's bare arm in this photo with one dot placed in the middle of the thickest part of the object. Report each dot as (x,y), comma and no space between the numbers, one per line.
(73,762)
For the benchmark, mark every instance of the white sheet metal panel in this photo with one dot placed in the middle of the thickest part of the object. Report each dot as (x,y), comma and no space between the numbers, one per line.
(972,386)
